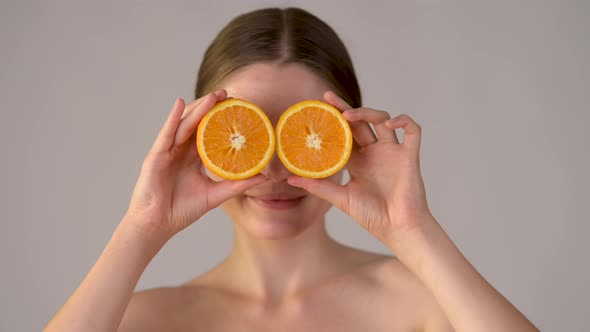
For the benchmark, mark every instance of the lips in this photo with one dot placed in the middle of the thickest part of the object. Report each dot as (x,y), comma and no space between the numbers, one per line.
(278,201)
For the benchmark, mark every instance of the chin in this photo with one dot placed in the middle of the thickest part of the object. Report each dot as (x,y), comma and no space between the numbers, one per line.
(273,229)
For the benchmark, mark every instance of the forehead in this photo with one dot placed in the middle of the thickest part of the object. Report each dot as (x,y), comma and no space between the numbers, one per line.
(275,87)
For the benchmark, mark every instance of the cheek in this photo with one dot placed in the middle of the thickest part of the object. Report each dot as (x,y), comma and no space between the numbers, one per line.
(316,209)
(233,206)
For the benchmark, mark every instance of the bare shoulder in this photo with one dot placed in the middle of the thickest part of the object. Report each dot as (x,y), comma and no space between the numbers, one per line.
(394,278)
(401,291)
(159,309)
(140,314)
(376,287)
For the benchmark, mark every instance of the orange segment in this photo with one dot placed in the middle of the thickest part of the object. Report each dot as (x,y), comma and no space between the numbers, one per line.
(313,139)
(235,139)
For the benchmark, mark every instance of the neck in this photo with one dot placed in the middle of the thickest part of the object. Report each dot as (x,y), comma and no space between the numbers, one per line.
(273,269)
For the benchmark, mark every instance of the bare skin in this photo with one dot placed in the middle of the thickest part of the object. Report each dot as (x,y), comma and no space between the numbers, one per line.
(372,293)
(284,272)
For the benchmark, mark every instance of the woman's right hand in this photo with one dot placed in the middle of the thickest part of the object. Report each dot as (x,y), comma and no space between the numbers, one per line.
(173,189)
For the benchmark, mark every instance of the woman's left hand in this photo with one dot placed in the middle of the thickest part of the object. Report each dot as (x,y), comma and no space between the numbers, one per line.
(386,192)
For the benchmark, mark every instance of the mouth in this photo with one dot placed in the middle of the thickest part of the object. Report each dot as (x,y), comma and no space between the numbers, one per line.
(279,201)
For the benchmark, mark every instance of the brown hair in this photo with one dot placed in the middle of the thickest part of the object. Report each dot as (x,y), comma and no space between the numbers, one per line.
(282,36)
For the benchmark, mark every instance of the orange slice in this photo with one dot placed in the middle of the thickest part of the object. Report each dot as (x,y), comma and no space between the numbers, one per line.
(313,139)
(235,139)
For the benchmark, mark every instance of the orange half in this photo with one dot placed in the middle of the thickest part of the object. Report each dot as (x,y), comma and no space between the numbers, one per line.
(235,139)
(313,139)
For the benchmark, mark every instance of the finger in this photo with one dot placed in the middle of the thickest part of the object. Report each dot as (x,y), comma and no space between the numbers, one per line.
(361,131)
(325,189)
(220,94)
(332,98)
(166,135)
(412,130)
(377,118)
(189,124)
(223,190)
(386,134)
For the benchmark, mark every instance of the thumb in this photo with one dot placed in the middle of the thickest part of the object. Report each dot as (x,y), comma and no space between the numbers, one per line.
(324,189)
(226,189)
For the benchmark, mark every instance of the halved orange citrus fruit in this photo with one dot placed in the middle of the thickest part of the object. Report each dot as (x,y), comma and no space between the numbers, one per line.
(313,139)
(235,139)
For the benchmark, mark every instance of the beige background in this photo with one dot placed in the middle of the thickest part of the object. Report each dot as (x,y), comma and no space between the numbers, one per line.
(501,89)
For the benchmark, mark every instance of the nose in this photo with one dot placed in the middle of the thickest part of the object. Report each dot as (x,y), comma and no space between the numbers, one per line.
(275,170)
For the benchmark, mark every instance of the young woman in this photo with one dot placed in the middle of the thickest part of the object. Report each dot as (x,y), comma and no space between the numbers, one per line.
(284,272)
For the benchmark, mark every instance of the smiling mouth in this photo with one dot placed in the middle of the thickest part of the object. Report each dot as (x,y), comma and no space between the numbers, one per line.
(278,202)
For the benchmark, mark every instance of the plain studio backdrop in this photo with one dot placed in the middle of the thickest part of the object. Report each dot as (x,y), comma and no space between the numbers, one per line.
(501,89)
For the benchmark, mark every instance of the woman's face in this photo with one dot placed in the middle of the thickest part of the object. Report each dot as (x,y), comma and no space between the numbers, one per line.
(274,209)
